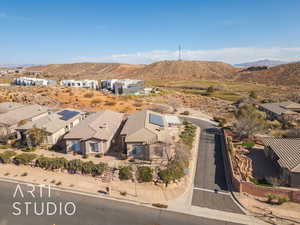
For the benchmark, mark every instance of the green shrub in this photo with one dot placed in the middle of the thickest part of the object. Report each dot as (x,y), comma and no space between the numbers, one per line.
(159,205)
(145,174)
(87,167)
(188,134)
(4,146)
(5,157)
(125,173)
(51,163)
(248,144)
(25,158)
(172,173)
(270,197)
(98,169)
(282,199)
(85,156)
(75,165)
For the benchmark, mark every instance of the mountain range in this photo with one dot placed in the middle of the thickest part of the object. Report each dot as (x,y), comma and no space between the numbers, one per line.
(264,62)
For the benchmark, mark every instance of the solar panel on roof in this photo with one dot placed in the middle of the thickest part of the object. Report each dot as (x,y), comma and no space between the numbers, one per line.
(67,114)
(156,120)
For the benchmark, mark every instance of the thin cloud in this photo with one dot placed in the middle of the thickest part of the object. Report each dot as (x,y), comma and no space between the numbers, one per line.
(3,15)
(228,55)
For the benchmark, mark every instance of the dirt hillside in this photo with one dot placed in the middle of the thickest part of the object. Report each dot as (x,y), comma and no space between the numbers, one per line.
(85,70)
(184,70)
(287,74)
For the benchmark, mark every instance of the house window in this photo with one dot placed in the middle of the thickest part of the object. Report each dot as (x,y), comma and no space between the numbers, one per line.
(137,149)
(75,146)
(94,147)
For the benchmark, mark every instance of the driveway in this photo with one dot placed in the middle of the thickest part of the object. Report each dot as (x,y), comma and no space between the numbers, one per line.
(210,187)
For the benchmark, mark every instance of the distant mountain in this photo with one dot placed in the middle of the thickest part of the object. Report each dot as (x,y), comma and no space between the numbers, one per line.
(16,65)
(264,62)
(287,74)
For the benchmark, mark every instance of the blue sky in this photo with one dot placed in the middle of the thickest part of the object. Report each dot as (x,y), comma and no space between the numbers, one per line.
(136,31)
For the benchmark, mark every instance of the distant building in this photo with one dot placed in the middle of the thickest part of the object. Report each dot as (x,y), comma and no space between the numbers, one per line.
(125,86)
(285,154)
(31,81)
(281,111)
(93,84)
(96,134)
(55,124)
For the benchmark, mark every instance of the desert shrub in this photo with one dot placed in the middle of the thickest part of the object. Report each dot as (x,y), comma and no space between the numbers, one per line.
(210,90)
(110,103)
(4,146)
(99,155)
(88,95)
(220,120)
(125,173)
(172,173)
(85,156)
(75,165)
(159,205)
(96,101)
(145,174)
(123,193)
(98,169)
(24,174)
(185,113)
(25,158)
(29,149)
(5,157)
(270,197)
(138,104)
(253,95)
(282,199)
(188,134)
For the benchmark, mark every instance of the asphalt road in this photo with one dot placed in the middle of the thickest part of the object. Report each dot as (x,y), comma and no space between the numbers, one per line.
(89,210)
(210,173)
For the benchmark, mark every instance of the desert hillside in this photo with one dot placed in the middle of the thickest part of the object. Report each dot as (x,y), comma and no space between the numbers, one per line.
(85,70)
(184,70)
(287,74)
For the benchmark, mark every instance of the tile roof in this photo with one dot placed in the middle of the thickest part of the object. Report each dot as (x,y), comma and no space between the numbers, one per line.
(101,125)
(138,128)
(288,151)
(281,107)
(51,123)
(22,113)
(8,106)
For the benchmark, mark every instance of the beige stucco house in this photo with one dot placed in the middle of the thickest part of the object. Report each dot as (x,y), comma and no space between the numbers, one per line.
(145,136)
(55,124)
(95,134)
(13,115)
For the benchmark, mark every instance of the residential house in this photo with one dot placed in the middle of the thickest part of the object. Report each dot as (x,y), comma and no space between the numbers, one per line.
(96,134)
(145,136)
(55,124)
(281,111)
(9,106)
(285,153)
(124,86)
(31,81)
(12,119)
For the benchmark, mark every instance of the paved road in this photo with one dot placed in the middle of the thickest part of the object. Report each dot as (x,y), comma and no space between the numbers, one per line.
(89,210)
(210,174)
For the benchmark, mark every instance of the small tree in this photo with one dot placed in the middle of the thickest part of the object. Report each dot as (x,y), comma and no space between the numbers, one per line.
(210,90)
(250,121)
(35,136)
(253,95)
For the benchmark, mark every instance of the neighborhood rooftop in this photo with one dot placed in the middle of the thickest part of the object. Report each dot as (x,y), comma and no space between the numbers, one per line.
(288,151)
(22,113)
(52,122)
(281,107)
(99,125)
(144,125)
